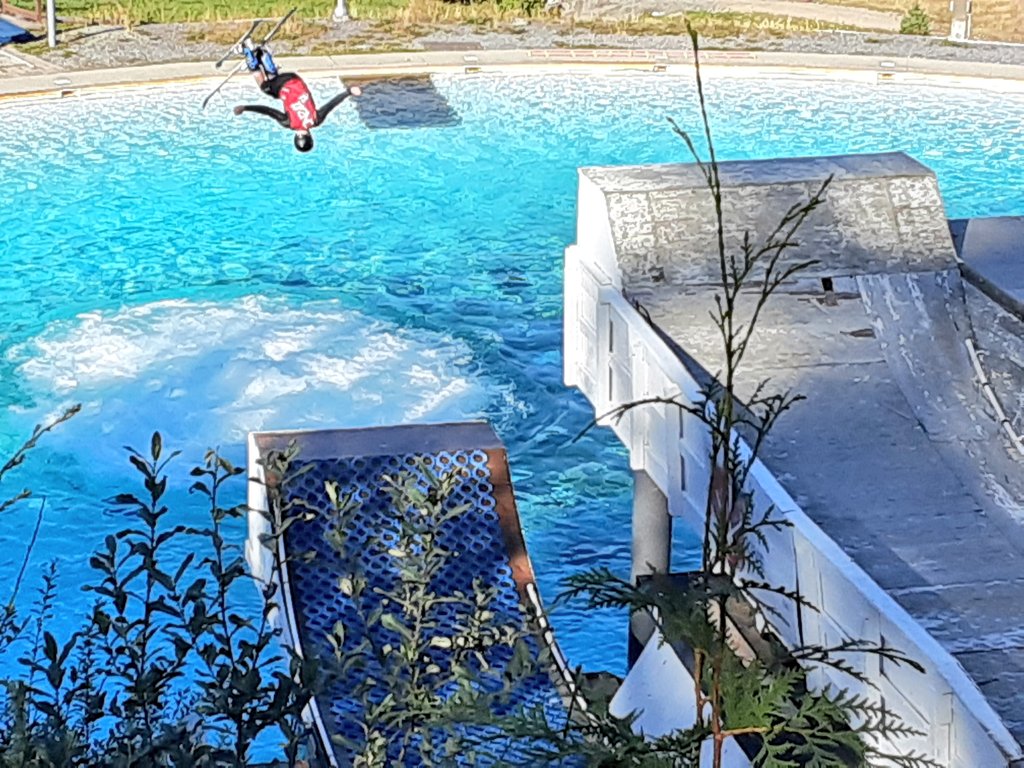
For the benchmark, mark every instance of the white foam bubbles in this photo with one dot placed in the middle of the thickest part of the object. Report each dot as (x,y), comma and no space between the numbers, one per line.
(205,373)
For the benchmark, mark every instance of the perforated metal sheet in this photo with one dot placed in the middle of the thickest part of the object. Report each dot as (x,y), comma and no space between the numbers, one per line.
(475,535)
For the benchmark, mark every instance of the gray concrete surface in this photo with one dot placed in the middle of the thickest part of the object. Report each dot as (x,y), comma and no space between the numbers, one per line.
(880,213)
(651,548)
(895,453)
(992,250)
(995,248)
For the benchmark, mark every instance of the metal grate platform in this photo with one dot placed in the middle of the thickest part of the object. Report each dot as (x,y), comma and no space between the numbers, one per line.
(487,538)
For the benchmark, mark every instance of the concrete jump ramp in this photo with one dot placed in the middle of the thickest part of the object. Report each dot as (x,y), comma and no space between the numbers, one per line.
(487,537)
(897,453)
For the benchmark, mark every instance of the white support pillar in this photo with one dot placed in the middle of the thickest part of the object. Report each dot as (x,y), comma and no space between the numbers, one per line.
(51,23)
(960,25)
(341,13)
(652,549)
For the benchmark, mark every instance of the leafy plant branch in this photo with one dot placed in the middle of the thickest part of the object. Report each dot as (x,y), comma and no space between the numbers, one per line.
(742,695)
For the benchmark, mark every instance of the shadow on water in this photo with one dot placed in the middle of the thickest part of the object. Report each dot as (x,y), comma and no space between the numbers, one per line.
(406,102)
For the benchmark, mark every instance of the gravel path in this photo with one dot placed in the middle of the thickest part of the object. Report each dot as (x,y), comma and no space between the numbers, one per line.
(843,15)
(106,46)
(853,43)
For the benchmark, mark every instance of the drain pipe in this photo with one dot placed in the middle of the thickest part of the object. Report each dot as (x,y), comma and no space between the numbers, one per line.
(986,387)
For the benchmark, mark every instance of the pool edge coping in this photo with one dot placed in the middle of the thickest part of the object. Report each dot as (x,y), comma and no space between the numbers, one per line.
(1002,77)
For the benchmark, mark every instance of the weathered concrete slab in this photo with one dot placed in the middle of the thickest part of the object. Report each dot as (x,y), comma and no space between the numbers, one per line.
(921,323)
(903,470)
(995,248)
(993,253)
(968,620)
(858,438)
(880,213)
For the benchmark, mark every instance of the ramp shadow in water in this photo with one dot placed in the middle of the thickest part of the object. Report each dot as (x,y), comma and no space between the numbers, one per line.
(404,102)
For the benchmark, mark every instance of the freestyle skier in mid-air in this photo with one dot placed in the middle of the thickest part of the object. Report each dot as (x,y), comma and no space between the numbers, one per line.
(300,112)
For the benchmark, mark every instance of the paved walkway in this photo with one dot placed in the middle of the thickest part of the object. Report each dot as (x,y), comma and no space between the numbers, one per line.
(1002,76)
(860,18)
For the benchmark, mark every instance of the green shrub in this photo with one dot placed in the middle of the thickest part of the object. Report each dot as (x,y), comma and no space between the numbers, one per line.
(162,671)
(916,22)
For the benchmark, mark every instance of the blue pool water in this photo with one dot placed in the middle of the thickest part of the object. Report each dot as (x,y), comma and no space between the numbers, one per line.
(190,272)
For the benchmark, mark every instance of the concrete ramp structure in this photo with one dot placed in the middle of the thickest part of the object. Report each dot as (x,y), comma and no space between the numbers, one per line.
(901,477)
(307,567)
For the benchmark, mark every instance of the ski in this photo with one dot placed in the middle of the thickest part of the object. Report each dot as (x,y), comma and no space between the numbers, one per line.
(238,67)
(234,47)
(223,82)
(277,27)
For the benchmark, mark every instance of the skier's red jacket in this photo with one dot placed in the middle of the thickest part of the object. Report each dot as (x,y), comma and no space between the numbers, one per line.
(298,103)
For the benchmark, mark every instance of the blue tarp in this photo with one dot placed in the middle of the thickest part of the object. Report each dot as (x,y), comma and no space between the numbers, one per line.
(11,33)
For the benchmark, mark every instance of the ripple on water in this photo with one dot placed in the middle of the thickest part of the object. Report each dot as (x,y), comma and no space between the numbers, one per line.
(198,276)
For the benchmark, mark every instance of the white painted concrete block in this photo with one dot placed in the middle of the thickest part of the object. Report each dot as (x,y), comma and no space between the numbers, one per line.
(972,746)
(613,364)
(687,511)
(661,690)
(593,230)
(259,558)
(926,691)
(911,716)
